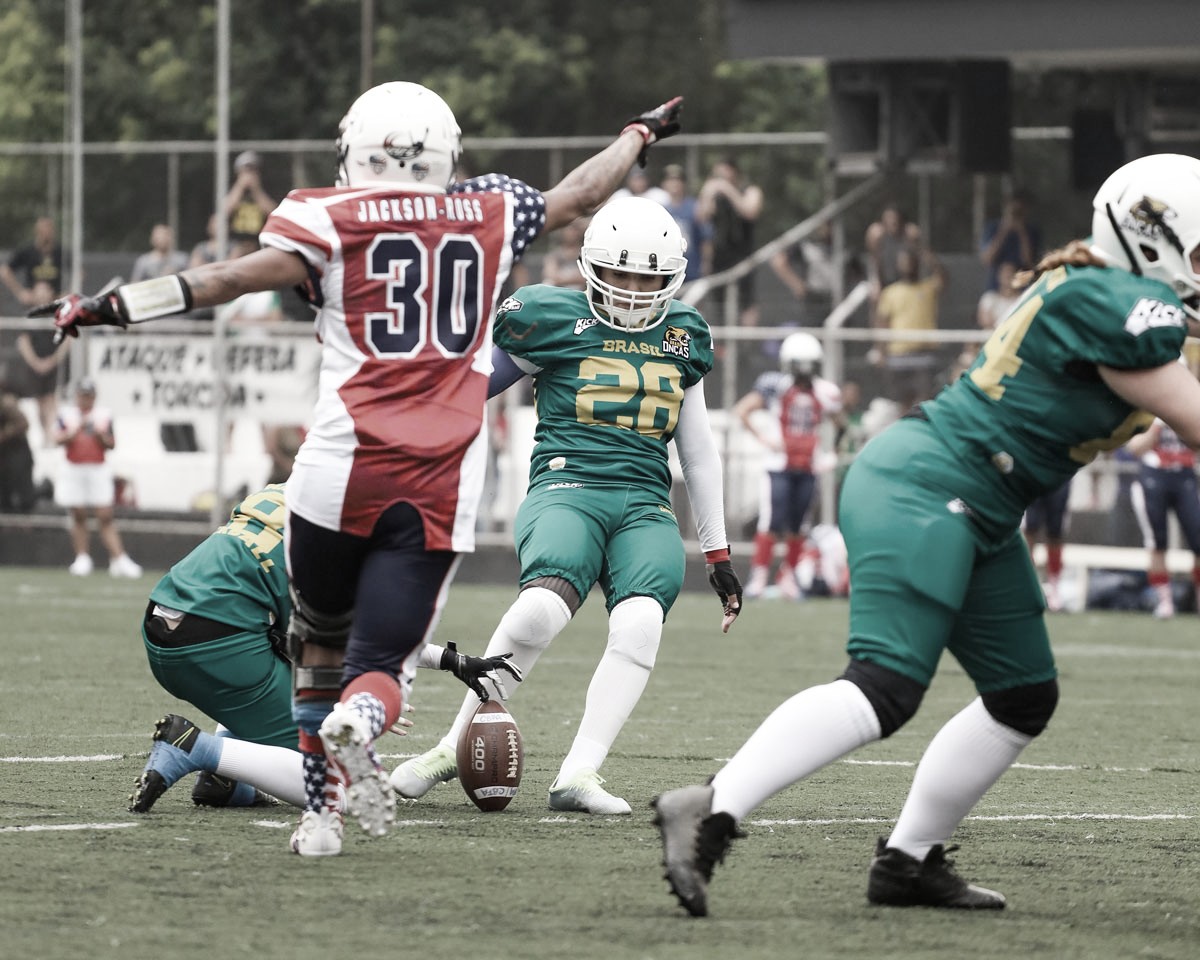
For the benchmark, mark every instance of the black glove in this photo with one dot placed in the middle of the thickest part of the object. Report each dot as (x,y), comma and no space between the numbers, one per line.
(73,311)
(471,670)
(656,124)
(729,588)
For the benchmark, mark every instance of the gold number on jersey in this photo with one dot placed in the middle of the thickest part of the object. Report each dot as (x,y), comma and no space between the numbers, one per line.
(1000,358)
(1137,422)
(613,383)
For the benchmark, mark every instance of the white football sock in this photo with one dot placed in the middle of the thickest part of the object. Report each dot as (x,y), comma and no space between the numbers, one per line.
(960,764)
(274,770)
(805,733)
(634,631)
(536,617)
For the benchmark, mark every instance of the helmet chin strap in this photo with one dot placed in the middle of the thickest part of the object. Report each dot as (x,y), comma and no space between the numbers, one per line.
(1133,264)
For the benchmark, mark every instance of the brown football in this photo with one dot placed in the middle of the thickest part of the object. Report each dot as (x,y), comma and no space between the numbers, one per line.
(491,756)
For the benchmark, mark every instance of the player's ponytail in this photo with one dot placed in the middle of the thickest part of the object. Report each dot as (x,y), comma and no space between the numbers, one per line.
(1077,253)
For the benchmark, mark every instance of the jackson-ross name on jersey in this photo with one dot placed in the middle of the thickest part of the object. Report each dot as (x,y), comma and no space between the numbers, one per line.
(450,207)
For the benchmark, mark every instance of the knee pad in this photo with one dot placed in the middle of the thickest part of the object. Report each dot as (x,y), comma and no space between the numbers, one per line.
(537,617)
(559,587)
(635,630)
(893,696)
(322,630)
(1025,709)
(309,626)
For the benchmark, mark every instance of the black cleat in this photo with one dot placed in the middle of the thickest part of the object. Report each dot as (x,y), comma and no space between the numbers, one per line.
(694,841)
(213,790)
(170,758)
(898,880)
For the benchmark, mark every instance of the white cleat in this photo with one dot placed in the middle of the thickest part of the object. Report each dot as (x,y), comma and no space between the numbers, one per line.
(416,777)
(81,566)
(583,792)
(369,797)
(319,834)
(123,566)
(756,586)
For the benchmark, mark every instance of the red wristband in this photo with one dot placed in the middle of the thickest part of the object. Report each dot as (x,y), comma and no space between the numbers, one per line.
(641,128)
(716,556)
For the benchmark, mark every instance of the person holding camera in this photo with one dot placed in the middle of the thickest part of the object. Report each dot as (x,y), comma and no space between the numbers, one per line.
(85,484)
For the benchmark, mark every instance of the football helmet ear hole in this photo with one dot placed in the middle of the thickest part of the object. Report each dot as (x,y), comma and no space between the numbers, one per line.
(1150,254)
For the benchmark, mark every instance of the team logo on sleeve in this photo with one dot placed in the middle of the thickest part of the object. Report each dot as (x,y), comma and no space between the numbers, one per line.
(583,323)
(1148,313)
(677,342)
(510,305)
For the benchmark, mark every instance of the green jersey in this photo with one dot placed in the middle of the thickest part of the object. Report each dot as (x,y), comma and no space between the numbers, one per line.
(607,400)
(1032,409)
(238,575)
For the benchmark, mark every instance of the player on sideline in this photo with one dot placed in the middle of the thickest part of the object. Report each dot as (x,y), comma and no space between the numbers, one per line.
(617,374)
(931,513)
(1166,483)
(215,632)
(799,400)
(404,266)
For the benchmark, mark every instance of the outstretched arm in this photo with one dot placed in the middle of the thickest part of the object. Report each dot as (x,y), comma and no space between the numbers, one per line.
(581,192)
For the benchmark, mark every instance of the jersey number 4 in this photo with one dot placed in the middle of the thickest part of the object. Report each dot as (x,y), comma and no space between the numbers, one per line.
(429,294)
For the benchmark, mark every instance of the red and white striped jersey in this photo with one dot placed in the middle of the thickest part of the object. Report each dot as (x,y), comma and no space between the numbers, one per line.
(405,285)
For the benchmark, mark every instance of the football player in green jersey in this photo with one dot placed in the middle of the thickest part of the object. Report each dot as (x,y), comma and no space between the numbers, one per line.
(931,513)
(617,374)
(214,633)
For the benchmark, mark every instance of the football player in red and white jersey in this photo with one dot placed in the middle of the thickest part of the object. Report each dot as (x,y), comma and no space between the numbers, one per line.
(404,267)
(799,400)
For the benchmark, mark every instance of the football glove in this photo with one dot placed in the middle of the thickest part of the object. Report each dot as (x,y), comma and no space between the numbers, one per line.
(656,124)
(472,670)
(117,306)
(726,585)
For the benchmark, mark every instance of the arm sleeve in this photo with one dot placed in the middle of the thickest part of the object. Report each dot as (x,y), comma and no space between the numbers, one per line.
(701,465)
(431,657)
(506,371)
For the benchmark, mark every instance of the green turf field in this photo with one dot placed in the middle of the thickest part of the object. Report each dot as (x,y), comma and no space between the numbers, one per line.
(1095,838)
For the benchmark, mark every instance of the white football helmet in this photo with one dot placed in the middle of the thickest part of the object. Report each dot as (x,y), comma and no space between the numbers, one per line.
(634,235)
(800,354)
(1146,219)
(399,132)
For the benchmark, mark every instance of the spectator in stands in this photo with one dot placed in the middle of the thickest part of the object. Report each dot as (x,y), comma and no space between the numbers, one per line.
(910,303)
(85,484)
(1046,520)
(17,494)
(1011,239)
(247,204)
(162,258)
(41,261)
(729,207)
(1166,484)
(994,304)
(885,240)
(682,206)
(560,265)
(206,250)
(638,184)
(31,367)
(807,269)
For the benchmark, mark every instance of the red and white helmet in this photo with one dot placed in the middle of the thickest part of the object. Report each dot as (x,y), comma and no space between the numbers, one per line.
(1146,219)
(399,132)
(633,235)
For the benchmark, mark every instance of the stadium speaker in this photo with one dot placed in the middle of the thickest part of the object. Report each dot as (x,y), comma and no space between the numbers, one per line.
(982,128)
(1096,148)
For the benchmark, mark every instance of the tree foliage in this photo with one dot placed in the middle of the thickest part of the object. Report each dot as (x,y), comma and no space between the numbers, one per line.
(522,68)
